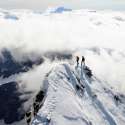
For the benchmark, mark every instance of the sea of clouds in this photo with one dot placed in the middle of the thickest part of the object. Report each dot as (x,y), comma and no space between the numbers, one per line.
(99,36)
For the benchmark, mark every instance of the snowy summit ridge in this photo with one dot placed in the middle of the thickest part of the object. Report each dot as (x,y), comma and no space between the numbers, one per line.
(73,98)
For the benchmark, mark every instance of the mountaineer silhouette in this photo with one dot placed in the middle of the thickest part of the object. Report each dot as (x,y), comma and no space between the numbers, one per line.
(83,62)
(77,60)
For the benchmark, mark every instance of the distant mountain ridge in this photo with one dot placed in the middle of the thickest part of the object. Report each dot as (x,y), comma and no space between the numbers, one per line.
(60,9)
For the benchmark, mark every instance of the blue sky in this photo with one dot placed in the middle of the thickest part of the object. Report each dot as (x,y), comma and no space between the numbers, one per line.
(74,4)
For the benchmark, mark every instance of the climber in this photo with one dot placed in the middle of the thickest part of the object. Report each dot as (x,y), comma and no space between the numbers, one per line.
(28,116)
(83,61)
(77,60)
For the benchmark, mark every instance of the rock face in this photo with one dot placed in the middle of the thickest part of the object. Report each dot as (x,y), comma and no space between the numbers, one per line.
(10,103)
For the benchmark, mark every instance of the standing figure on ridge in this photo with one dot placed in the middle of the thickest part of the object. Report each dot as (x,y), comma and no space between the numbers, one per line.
(83,61)
(77,60)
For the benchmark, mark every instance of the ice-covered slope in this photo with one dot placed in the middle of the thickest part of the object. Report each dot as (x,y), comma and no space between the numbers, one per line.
(67,102)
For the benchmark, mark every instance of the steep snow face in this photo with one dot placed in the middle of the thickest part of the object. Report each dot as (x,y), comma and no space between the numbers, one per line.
(92,103)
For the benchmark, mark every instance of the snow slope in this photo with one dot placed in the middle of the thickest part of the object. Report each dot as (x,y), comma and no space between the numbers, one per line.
(65,105)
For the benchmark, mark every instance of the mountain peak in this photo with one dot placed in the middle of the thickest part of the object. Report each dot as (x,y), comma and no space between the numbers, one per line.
(60,9)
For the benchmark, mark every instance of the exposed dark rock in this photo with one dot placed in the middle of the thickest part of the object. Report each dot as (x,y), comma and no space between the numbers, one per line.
(11,103)
(40,96)
(78,87)
(88,72)
(38,102)
(119,98)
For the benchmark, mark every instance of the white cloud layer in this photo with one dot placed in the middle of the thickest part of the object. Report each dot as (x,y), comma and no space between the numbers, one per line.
(69,31)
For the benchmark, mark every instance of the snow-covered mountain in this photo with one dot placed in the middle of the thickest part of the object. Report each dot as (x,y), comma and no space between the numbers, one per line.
(74,98)
(38,50)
